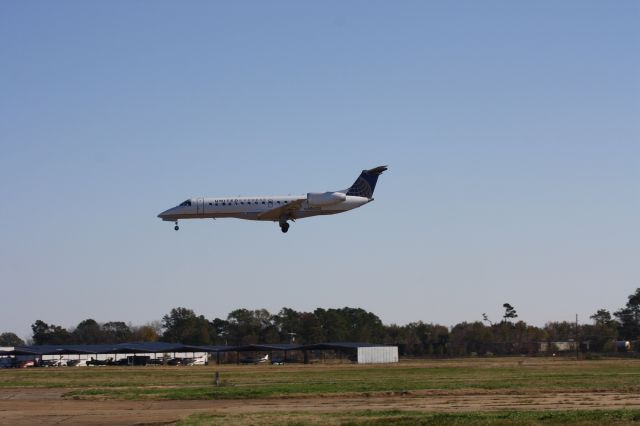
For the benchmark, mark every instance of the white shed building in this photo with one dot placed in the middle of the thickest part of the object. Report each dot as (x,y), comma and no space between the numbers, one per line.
(377,354)
(362,353)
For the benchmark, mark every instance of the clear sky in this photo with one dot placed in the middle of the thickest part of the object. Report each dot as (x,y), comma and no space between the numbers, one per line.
(511,131)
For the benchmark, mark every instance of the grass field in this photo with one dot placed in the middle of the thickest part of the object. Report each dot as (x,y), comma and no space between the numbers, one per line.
(396,417)
(460,391)
(467,375)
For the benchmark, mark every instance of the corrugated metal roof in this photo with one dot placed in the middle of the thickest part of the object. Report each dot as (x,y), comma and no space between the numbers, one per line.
(159,347)
(59,349)
(260,347)
(19,351)
(193,348)
(337,345)
(144,347)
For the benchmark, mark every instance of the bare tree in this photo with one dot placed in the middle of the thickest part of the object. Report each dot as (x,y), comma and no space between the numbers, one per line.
(485,318)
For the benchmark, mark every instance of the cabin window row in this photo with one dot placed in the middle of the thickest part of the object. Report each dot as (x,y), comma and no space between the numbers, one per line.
(248,203)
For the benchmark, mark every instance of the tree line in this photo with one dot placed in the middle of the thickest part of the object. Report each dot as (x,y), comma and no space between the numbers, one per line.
(243,326)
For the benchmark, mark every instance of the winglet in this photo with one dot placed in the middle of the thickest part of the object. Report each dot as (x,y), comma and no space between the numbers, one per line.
(377,170)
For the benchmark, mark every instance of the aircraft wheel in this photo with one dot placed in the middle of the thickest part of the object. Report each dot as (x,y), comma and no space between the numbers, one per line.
(284,227)
(176,227)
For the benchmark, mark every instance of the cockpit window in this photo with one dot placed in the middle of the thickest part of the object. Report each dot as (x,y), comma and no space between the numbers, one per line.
(185,203)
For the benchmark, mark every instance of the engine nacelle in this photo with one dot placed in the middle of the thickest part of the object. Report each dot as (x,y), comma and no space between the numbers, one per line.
(319,199)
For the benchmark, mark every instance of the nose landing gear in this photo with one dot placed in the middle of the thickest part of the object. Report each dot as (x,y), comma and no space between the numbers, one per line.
(176,227)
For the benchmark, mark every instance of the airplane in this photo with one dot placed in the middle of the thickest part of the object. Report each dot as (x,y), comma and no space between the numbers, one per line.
(255,360)
(279,208)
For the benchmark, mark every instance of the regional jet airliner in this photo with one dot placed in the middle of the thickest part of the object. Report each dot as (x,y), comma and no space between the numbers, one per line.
(281,208)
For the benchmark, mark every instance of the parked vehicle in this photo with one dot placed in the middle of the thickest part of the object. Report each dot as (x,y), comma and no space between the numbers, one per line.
(108,361)
(6,362)
(175,361)
(49,363)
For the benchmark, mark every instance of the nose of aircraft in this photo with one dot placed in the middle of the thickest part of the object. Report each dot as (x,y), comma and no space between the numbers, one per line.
(165,214)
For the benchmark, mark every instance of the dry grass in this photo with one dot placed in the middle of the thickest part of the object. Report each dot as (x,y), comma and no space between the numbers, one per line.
(515,375)
(519,391)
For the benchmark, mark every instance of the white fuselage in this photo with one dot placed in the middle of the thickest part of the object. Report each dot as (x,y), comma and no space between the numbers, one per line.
(279,208)
(251,208)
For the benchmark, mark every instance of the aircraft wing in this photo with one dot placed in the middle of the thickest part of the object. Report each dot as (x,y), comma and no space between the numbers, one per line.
(286,210)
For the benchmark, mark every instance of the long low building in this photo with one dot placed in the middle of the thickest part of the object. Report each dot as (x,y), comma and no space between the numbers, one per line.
(101,354)
(148,352)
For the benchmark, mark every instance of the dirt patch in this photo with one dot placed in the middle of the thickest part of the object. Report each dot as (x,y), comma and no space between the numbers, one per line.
(47,406)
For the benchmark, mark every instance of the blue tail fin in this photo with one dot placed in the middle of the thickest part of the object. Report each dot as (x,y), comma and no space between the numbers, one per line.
(366,182)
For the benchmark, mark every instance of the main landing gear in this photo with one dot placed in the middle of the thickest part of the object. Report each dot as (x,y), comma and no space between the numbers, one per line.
(176,227)
(284,226)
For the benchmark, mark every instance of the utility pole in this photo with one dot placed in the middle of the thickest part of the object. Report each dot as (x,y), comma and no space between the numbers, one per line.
(577,340)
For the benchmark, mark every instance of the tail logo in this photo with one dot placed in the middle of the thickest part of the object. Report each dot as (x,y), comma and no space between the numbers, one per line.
(361,188)
(366,182)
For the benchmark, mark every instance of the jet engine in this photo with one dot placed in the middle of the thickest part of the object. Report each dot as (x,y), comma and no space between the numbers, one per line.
(320,199)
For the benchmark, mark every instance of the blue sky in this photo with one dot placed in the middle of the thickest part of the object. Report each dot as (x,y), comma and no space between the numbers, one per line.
(511,130)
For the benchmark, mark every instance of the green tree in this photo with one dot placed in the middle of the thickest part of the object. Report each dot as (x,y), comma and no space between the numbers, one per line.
(467,338)
(183,326)
(560,331)
(267,328)
(87,332)
(116,332)
(10,339)
(288,321)
(335,326)
(45,334)
(245,326)
(311,330)
(629,317)
(603,318)
(219,331)
(364,326)
(418,338)
(603,333)
(350,324)
(601,337)
(415,339)
(509,312)
(393,334)
(523,338)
